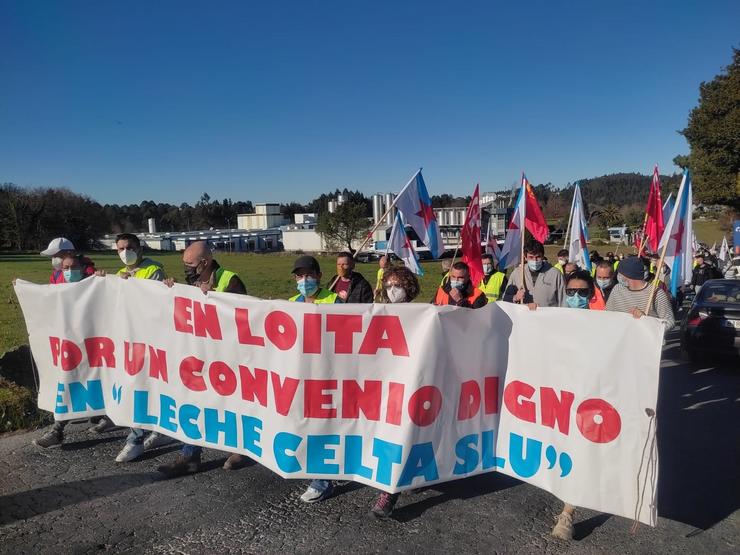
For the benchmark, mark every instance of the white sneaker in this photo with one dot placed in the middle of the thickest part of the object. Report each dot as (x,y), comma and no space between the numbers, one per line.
(155,440)
(130,452)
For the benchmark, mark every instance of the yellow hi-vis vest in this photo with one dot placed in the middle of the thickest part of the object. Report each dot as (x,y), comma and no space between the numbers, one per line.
(223,277)
(379,280)
(492,289)
(146,270)
(324,296)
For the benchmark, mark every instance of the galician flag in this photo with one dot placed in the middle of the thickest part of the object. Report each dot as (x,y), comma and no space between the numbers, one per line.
(578,247)
(400,245)
(511,251)
(414,203)
(668,207)
(677,237)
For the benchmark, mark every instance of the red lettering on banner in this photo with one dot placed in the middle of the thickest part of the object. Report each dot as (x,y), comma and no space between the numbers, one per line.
(555,410)
(55,346)
(490,395)
(65,352)
(133,357)
(157,364)
(385,332)
(424,405)
(598,421)
(314,398)
(312,333)
(281,330)
(253,385)
(183,315)
(205,320)
(344,327)
(394,405)
(243,331)
(524,410)
(356,399)
(283,392)
(222,377)
(470,398)
(100,350)
(191,369)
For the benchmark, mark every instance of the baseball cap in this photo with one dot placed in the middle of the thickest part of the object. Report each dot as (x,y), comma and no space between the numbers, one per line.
(58,245)
(306,263)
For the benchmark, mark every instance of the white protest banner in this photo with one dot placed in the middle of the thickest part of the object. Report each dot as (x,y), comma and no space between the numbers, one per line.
(393,396)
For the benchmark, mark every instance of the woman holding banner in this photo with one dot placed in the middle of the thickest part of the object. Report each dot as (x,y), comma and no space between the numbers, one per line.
(399,285)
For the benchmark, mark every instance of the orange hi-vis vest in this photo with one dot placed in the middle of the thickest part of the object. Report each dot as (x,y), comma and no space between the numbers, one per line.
(597,302)
(443,298)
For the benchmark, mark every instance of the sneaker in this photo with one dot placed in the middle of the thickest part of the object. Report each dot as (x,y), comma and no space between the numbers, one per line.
(155,440)
(52,438)
(384,504)
(130,452)
(235,462)
(105,424)
(317,491)
(181,466)
(563,528)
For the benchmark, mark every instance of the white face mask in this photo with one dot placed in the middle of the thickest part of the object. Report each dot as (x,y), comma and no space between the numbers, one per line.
(563,261)
(128,257)
(396,293)
(487,269)
(56,263)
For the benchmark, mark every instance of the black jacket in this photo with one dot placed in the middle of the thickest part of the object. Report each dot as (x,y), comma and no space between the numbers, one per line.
(360,291)
(703,273)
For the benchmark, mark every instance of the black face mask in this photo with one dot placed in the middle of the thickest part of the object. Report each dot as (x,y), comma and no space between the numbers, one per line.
(191,274)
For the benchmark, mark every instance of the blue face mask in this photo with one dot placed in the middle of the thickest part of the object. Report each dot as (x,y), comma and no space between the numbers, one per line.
(534,265)
(457,283)
(576,301)
(603,283)
(70,276)
(622,280)
(307,286)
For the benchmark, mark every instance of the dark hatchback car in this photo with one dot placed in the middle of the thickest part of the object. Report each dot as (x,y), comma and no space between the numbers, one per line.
(712,324)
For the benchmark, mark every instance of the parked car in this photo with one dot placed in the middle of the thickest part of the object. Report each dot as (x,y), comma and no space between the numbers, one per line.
(712,323)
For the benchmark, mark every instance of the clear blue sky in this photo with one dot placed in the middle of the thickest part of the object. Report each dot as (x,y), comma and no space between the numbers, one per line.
(280,101)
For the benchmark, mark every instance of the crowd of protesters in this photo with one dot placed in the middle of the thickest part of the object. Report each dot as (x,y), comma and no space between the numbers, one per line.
(621,284)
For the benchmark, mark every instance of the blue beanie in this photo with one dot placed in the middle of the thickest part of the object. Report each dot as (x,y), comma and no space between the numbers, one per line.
(632,268)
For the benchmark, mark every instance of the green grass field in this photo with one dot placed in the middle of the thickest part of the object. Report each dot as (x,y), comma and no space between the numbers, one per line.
(266,275)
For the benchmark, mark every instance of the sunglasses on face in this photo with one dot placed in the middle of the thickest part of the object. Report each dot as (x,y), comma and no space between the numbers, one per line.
(582,291)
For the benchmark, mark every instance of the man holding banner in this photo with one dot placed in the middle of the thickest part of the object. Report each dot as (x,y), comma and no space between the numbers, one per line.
(538,282)
(459,290)
(202,271)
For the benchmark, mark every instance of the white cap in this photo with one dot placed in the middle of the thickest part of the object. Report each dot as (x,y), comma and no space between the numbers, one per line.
(58,245)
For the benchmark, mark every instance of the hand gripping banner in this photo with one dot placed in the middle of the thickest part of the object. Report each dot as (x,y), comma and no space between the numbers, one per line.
(392,396)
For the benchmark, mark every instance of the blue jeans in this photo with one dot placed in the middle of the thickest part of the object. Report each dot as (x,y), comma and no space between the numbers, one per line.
(190,450)
(320,485)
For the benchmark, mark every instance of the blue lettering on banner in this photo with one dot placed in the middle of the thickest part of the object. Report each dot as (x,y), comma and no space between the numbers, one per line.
(214,426)
(524,466)
(188,414)
(284,442)
(318,453)
(251,427)
(420,462)
(353,457)
(60,406)
(167,412)
(387,454)
(141,408)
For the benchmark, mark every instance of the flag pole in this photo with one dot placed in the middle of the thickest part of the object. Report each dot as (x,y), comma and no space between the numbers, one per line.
(388,210)
(654,285)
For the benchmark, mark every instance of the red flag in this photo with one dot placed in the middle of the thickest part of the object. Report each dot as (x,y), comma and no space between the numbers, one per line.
(654,224)
(470,236)
(535,219)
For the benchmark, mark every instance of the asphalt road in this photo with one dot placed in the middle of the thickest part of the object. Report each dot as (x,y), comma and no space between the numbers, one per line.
(78,500)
